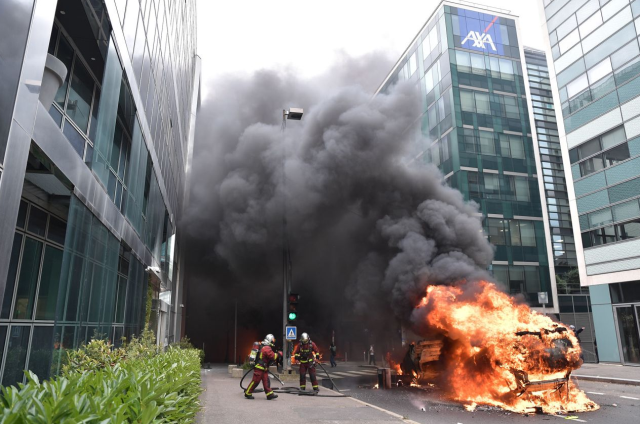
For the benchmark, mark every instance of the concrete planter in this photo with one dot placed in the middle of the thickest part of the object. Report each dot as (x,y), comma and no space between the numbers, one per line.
(52,79)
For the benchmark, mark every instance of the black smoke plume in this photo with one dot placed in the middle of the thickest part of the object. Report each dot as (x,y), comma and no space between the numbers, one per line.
(367,227)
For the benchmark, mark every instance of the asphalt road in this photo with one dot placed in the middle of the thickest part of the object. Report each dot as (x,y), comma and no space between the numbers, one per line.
(618,403)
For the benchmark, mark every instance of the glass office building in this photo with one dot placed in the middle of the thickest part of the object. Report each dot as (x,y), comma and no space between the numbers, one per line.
(469,65)
(92,185)
(573,300)
(596,81)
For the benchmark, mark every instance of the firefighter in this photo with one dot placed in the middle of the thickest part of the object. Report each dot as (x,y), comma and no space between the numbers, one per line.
(266,357)
(306,352)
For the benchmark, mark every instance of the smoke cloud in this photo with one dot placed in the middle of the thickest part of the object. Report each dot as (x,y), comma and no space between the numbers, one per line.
(368,230)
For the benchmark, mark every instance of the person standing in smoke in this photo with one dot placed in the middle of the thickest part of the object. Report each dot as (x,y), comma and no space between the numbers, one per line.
(266,357)
(306,352)
(372,356)
(332,356)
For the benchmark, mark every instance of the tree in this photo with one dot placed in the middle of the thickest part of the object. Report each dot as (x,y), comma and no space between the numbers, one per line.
(568,282)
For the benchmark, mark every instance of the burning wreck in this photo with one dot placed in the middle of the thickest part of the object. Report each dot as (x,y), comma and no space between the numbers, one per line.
(482,348)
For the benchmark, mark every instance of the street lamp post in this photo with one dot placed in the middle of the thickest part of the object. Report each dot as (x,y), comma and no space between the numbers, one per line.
(294,114)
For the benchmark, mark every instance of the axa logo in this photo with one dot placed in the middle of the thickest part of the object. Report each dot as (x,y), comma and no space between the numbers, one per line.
(480,40)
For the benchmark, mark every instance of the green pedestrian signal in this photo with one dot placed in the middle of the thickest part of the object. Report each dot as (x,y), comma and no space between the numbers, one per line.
(292,316)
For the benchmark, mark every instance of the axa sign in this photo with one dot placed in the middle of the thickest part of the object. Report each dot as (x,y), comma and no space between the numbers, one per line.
(485,33)
(481,40)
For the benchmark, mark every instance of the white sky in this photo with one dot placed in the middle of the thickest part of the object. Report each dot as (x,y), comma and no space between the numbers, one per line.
(243,36)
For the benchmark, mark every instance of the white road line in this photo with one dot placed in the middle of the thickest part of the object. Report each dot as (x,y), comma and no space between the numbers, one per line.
(346,374)
(335,376)
(629,397)
(363,372)
(595,393)
(565,417)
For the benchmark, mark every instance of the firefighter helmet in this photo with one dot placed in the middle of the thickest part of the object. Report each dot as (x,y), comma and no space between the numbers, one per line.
(304,338)
(269,340)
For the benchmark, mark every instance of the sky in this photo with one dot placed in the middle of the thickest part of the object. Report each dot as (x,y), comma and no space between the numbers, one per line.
(241,37)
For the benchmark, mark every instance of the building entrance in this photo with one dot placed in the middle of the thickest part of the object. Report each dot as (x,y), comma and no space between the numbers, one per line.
(628,328)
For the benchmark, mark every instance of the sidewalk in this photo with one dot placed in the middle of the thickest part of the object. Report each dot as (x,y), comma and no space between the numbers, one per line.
(223,402)
(609,373)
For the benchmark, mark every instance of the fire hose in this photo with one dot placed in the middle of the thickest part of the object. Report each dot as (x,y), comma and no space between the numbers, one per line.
(292,390)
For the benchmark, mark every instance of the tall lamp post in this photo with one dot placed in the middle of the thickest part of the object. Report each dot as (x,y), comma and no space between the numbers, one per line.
(294,114)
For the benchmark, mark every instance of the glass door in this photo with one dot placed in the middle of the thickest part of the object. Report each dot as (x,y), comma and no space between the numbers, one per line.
(629,334)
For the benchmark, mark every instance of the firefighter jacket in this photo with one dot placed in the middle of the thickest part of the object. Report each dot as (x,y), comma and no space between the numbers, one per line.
(304,352)
(265,358)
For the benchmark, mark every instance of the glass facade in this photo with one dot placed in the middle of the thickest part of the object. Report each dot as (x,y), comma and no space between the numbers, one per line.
(555,186)
(597,84)
(476,129)
(596,56)
(96,225)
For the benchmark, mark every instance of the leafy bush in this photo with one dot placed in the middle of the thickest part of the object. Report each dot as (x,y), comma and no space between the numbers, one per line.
(185,343)
(163,388)
(99,354)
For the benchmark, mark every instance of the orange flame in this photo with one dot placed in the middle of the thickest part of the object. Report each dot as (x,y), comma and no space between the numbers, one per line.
(393,364)
(500,353)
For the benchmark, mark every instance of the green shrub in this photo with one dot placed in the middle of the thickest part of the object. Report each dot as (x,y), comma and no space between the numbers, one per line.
(163,388)
(99,353)
(185,343)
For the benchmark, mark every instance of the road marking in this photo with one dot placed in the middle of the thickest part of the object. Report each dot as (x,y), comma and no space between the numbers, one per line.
(363,372)
(569,417)
(595,393)
(346,374)
(629,397)
(335,376)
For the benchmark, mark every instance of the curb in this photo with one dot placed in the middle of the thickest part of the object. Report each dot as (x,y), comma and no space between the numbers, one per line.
(612,380)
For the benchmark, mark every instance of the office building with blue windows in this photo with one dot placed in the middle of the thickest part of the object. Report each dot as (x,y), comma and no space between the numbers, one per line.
(97,115)
(595,52)
(469,65)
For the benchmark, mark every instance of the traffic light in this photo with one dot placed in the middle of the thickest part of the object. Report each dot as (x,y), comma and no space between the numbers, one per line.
(293,307)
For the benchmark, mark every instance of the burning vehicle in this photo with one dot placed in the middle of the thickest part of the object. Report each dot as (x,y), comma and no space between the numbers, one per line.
(481,347)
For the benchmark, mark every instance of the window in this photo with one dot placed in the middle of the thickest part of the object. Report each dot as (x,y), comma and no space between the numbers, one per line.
(590,24)
(591,165)
(511,107)
(608,158)
(615,155)
(613,137)
(28,279)
(487,145)
(629,230)
(462,59)
(477,63)
(521,188)
(514,229)
(466,101)
(496,231)
(577,86)
(506,69)
(601,217)
(599,71)
(527,233)
(482,103)
(587,149)
(49,282)
(569,41)
(516,146)
(428,81)
(413,64)
(474,186)
(491,186)
(80,95)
